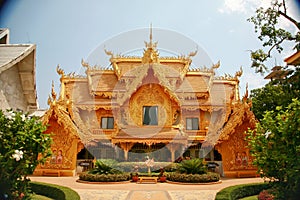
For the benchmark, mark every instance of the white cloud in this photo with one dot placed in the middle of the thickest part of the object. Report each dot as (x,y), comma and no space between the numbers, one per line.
(230,6)
(248,7)
(242,6)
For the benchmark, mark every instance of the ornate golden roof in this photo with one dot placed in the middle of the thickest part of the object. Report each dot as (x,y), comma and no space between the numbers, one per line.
(151,135)
(110,88)
(66,114)
(232,117)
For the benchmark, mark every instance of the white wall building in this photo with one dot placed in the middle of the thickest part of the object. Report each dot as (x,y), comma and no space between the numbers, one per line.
(17,75)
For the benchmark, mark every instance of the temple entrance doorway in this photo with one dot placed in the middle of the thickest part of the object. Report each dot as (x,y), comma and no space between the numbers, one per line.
(212,157)
(84,161)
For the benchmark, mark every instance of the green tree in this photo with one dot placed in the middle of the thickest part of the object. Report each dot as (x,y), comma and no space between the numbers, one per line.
(275,147)
(268,98)
(266,22)
(274,143)
(22,140)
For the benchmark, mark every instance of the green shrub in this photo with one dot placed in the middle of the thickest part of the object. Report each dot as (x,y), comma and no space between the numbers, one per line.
(240,191)
(54,191)
(193,178)
(193,166)
(104,177)
(105,166)
(275,148)
(22,140)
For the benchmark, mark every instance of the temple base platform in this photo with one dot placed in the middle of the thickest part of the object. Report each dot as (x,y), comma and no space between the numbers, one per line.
(241,174)
(53,172)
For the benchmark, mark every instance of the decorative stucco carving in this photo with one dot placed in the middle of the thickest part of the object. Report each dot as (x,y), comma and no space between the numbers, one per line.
(150,95)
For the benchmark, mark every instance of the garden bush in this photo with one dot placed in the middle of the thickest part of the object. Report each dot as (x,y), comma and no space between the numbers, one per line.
(106,170)
(54,191)
(193,178)
(193,166)
(105,166)
(23,145)
(275,148)
(104,177)
(240,191)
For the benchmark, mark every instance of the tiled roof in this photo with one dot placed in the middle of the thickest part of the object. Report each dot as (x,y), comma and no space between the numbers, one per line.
(220,94)
(24,56)
(105,82)
(149,134)
(294,59)
(13,53)
(194,84)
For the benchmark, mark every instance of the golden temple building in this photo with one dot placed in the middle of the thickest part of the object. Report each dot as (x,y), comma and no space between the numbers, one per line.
(148,105)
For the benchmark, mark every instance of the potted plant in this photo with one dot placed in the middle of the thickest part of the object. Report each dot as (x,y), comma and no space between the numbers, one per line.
(135,174)
(134,177)
(162,175)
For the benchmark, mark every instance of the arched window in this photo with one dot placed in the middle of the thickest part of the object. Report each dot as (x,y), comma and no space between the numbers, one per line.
(150,115)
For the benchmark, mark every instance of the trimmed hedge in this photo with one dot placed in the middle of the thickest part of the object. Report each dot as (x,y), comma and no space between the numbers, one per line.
(142,167)
(193,178)
(104,177)
(54,191)
(240,191)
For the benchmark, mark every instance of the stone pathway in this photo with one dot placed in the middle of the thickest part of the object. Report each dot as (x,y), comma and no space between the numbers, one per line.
(102,194)
(135,191)
(146,195)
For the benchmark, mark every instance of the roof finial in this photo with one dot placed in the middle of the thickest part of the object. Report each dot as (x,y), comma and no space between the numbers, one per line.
(151,34)
(53,94)
(150,53)
(245,97)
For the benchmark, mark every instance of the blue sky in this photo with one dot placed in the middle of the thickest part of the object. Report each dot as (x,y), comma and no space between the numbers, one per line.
(67,31)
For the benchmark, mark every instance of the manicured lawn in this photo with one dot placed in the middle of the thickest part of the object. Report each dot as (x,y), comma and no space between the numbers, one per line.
(250,198)
(40,197)
(52,191)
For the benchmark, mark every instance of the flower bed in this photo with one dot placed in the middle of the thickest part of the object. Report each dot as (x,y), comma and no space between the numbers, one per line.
(142,167)
(104,177)
(193,178)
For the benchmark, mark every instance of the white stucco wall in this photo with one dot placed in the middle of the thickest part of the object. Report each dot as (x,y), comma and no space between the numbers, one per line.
(11,92)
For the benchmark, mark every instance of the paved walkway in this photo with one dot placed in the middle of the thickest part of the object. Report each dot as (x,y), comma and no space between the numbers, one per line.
(144,191)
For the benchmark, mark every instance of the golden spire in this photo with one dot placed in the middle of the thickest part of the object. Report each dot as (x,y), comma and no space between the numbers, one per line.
(53,91)
(150,54)
(150,45)
(52,98)
(245,97)
(150,34)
